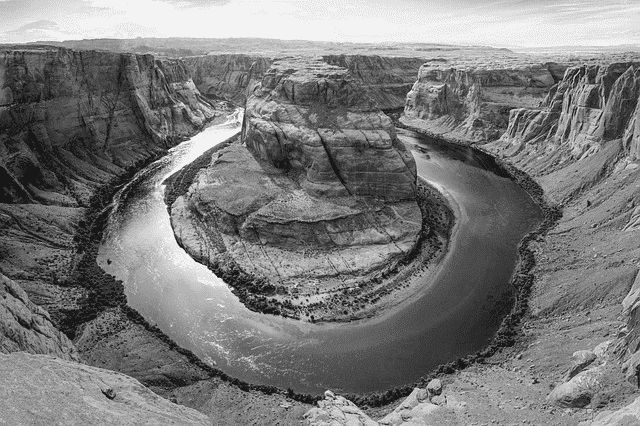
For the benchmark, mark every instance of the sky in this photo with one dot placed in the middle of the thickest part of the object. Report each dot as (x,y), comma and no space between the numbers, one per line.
(527,23)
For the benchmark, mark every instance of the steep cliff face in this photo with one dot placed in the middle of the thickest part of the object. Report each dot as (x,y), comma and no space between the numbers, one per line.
(72,120)
(473,103)
(582,147)
(386,79)
(592,106)
(25,327)
(233,76)
(321,171)
(227,76)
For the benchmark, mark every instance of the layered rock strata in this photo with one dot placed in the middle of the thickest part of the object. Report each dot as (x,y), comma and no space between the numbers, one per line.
(27,327)
(386,79)
(473,102)
(227,76)
(71,122)
(320,198)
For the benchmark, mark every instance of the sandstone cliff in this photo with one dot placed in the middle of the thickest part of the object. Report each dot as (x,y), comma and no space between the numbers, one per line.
(227,76)
(590,118)
(27,327)
(321,197)
(72,120)
(386,79)
(233,76)
(473,102)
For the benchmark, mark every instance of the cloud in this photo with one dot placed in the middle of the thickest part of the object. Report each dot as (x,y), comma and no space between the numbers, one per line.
(197,3)
(43,24)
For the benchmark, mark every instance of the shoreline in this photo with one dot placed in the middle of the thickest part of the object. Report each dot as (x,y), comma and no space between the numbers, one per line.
(373,299)
(504,338)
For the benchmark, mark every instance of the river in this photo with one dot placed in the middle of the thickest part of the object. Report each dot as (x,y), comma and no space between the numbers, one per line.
(455,315)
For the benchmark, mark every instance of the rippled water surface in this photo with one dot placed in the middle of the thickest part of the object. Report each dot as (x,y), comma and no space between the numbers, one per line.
(455,316)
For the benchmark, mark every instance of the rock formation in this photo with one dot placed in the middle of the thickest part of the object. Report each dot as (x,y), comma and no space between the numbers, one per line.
(27,327)
(473,103)
(39,389)
(73,120)
(386,79)
(227,76)
(421,407)
(590,116)
(321,197)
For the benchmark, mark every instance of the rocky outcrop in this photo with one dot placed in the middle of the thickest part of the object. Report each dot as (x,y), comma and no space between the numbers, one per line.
(227,76)
(473,103)
(321,197)
(39,389)
(386,79)
(628,415)
(422,407)
(73,120)
(27,327)
(589,117)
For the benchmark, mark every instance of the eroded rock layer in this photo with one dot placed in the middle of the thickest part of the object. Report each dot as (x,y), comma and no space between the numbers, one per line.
(386,79)
(73,120)
(228,76)
(321,196)
(591,106)
(233,76)
(27,327)
(473,102)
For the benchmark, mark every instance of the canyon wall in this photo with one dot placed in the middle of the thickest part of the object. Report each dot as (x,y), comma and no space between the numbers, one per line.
(386,79)
(582,146)
(227,76)
(233,76)
(591,106)
(73,120)
(70,123)
(473,102)
(321,171)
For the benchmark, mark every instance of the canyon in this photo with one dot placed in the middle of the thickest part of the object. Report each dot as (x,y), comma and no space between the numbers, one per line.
(73,121)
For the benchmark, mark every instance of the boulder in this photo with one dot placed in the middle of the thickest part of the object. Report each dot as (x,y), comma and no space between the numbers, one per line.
(337,410)
(434,387)
(581,360)
(579,391)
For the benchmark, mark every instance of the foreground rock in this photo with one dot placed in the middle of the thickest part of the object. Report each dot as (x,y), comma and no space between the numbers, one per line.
(419,408)
(39,389)
(320,199)
(27,327)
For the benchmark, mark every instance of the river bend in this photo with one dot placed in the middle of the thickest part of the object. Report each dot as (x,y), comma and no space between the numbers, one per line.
(457,314)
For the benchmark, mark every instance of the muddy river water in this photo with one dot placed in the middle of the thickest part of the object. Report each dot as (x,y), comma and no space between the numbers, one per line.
(456,314)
